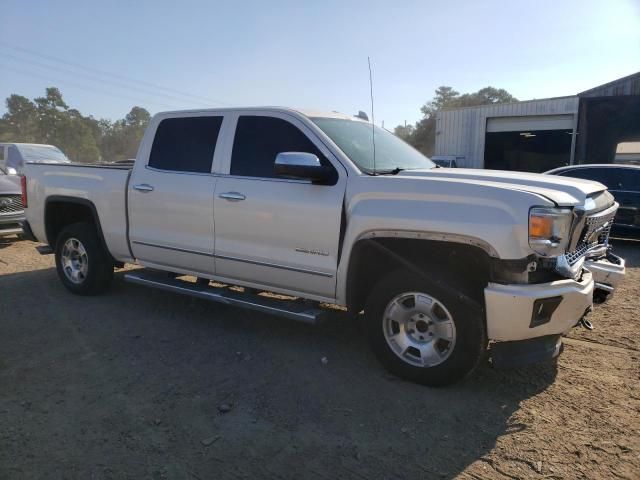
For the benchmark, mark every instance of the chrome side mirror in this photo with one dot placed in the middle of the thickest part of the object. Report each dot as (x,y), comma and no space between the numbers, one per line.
(301,165)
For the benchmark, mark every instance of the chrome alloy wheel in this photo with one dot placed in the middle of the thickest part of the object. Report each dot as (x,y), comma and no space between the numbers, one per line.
(74,260)
(419,329)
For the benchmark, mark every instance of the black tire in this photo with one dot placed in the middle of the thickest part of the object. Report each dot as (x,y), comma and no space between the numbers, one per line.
(99,265)
(470,337)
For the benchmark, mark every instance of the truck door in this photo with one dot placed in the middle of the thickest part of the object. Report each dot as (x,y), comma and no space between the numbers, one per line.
(171,196)
(274,231)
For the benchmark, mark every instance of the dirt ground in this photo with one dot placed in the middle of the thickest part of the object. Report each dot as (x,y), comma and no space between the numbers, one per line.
(143,384)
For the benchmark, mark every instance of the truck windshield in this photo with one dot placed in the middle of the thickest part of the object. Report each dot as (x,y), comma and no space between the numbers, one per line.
(355,139)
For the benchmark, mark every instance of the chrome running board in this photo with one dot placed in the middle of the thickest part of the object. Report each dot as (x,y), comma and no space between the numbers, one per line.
(293,309)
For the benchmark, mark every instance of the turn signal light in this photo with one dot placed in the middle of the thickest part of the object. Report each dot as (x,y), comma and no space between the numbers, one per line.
(540,227)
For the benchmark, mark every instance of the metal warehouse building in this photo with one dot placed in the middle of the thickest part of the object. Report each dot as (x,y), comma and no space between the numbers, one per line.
(538,135)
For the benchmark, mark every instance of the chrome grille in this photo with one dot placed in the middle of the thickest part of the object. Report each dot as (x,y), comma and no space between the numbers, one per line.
(10,204)
(593,234)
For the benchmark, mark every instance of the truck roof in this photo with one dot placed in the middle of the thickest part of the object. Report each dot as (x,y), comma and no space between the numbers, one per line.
(303,111)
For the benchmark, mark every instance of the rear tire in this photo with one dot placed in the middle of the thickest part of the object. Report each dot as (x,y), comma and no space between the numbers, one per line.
(422,332)
(82,263)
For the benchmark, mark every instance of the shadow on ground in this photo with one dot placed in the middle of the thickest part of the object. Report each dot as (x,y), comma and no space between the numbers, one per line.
(129,384)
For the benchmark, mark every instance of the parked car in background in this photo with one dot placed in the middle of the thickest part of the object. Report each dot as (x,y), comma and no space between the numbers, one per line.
(445,161)
(623,181)
(11,209)
(13,156)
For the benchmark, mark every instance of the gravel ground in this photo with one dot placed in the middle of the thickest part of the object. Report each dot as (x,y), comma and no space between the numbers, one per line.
(143,384)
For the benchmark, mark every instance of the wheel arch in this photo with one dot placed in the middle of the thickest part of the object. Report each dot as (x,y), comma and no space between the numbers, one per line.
(61,211)
(442,262)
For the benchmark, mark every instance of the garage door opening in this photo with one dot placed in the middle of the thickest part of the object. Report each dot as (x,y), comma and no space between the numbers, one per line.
(604,123)
(528,151)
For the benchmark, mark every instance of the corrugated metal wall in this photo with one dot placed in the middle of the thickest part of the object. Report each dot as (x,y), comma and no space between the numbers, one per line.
(623,86)
(462,131)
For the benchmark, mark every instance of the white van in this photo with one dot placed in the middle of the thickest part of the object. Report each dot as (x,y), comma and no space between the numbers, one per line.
(13,156)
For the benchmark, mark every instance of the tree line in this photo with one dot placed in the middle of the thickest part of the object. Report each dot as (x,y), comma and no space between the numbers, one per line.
(50,120)
(422,135)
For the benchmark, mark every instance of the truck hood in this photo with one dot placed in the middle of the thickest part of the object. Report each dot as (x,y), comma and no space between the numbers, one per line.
(10,184)
(564,191)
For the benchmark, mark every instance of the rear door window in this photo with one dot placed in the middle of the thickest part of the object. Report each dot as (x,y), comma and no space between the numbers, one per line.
(185,144)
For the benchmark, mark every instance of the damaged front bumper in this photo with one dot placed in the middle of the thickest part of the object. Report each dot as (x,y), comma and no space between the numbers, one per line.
(527,320)
(608,272)
(524,311)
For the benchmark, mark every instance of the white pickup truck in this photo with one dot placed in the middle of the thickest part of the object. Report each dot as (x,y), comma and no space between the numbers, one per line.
(327,208)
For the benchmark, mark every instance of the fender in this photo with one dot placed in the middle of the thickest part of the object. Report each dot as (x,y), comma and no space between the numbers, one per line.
(442,237)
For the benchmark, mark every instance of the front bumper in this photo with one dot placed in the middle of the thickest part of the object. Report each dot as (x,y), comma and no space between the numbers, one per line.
(10,224)
(525,311)
(608,272)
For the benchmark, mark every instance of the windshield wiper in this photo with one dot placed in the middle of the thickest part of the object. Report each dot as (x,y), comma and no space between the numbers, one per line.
(393,171)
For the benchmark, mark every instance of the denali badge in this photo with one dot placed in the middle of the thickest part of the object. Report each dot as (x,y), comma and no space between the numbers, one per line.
(312,252)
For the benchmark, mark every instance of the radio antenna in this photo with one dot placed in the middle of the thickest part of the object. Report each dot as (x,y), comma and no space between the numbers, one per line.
(373,118)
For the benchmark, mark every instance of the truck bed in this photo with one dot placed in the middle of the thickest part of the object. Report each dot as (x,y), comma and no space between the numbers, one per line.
(102,185)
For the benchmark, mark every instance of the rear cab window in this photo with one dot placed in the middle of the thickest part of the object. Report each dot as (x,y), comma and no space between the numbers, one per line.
(185,144)
(259,139)
(14,159)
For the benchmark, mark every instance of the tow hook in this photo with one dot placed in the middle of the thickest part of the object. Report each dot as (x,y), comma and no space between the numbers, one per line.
(584,321)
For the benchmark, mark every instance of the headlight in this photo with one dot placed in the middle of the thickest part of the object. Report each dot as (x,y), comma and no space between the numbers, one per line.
(549,230)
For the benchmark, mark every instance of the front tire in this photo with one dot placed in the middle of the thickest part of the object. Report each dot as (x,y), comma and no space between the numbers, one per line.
(83,265)
(422,332)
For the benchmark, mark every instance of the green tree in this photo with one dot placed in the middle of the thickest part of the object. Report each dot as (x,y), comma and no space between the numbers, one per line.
(404,131)
(121,138)
(49,120)
(423,135)
(20,121)
(75,137)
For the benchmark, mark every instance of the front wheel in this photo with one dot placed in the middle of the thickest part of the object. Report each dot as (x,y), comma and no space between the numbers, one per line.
(83,265)
(422,332)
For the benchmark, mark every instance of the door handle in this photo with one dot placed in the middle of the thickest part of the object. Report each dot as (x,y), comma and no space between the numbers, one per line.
(143,187)
(232,196)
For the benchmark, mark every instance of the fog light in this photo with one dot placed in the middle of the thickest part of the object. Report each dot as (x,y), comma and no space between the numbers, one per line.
(543,308)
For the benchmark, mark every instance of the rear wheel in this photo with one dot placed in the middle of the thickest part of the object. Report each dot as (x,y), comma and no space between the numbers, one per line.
(83,265)
(422,332)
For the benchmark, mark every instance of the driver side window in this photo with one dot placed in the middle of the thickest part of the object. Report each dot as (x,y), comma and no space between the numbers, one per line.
(258,140)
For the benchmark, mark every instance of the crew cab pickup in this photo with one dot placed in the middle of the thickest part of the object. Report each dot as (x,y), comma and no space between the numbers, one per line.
(327,208)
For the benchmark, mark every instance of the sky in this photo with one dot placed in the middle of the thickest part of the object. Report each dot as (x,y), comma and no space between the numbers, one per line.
(164,55)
